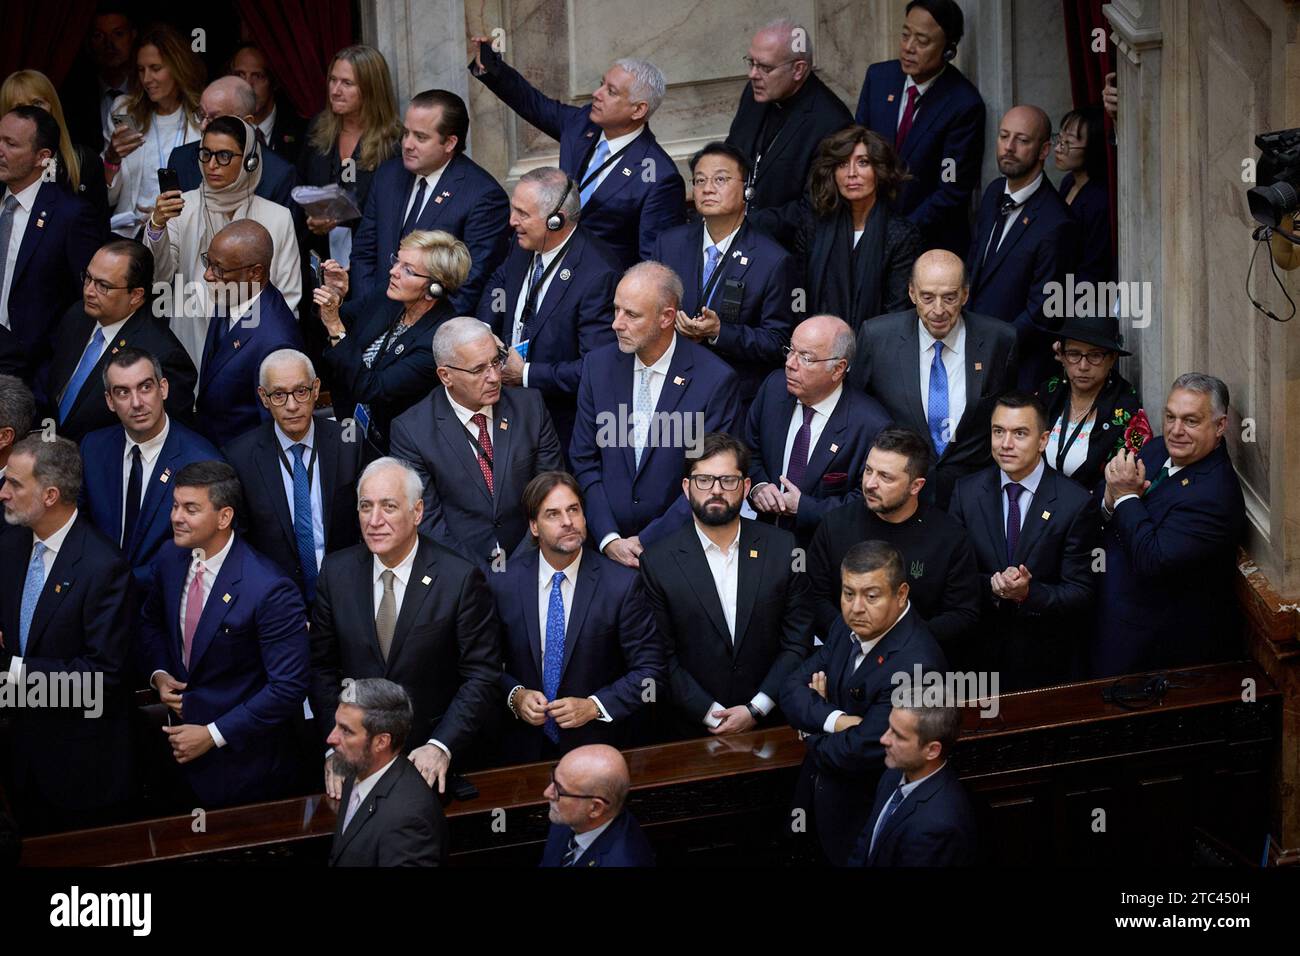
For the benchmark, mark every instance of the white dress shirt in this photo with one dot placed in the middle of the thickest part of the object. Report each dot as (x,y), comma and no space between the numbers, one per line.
(516,336)
(310,459)
(52,545)
(211,568)
(1030,485)
(954,363)
(149,451)
(615,144)
(546,581)
(431,180)
(921,90)
(22,213)
(267,126)
(1020,196)
(821,415)
(864,648)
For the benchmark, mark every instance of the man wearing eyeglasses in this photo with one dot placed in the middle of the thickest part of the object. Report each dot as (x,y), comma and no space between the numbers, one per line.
(113,315)
(589,824)
(785,111)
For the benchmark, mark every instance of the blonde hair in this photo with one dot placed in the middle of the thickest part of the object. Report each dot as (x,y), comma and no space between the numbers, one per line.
(380,127)
(20,89)
(187,70)
(444,256)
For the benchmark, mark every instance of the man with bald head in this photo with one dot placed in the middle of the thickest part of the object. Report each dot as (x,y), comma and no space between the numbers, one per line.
(938,369)
(589,825)
(644,407)
(809,435)
(1025,238)
(250,320)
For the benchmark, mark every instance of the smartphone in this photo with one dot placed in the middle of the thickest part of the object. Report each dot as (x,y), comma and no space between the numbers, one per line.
(124,119)
(168,181)
(317,269)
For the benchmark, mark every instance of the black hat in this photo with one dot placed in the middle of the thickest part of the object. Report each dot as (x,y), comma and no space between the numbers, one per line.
(947,14)
(1100,330)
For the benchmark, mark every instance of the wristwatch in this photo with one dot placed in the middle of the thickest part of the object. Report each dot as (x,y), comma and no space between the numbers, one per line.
(336,339)
(754,712)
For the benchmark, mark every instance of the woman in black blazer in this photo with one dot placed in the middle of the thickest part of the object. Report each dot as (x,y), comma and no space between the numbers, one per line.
(380,353)
(1091,407)
(1080,152)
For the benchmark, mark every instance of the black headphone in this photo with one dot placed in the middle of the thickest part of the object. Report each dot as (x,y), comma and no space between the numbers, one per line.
(950,51)
(557,220)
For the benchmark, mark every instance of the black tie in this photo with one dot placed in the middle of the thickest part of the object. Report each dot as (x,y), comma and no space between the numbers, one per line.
(414,214)
(132,510)
(1007,207)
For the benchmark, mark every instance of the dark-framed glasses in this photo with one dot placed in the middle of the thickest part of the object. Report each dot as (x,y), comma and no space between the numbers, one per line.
(301,395)
(1092,356)
(561,792)
(102,287)
(706,482)
(217,270)
(222,156)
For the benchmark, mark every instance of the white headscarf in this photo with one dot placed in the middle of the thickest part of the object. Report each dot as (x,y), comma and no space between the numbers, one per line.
(223,206)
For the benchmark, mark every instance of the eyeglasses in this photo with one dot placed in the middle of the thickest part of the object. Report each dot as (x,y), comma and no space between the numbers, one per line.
(803,358)
(764,68)
(102,287)
(1066,145)
(406,270)
(719,182)
(300,394)
(217,270)
(706,482)
(222,156)
(560,792)
(1094,356)
(479,371)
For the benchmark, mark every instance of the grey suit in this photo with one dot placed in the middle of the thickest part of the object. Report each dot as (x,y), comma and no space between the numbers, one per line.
(888,368)
(398,823)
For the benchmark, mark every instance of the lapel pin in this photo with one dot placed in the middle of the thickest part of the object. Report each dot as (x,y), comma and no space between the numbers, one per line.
(504,424)
(438,199)
(1046,515)
(1025,220)
(40,220)
(626,171)
(736,254)
(565,275)
(979,366)
(113,351)
(834,449)
(167,473)
(1186,482)
(753,554)
(426,580)
(447,193)
(121,343)
(744,260)
(881,658)
(678,380)
(58,588)
(889,98)
(400,347)
(590,133)
(236,343)
(226,597)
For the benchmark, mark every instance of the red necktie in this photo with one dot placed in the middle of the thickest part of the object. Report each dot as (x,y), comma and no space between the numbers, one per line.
(909,113)
(485,448)
(193,611)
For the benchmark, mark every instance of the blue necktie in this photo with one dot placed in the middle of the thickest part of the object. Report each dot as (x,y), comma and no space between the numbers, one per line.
(302,523)
(89,359)
(601,154)
(885,814)
(712,255)
(553,656)
(641,416)
(31,594)
(531,295)
(413,214)
(938,416)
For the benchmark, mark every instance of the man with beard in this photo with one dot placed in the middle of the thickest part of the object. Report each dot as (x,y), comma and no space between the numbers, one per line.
(736,615)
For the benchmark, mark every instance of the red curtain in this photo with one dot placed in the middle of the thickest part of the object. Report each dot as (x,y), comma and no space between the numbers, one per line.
(44,36)
(300,37)
(1088,71)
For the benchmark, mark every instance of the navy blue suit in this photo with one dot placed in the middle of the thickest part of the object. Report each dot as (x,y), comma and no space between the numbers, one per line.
(1166,599)
(467,202)
(227,404)
(276,183)
(643,194)
(102,454)
(248,669)
(949,125)
(751,297)
(622,844)
(933,826)
(647,501)
(834,473)
(611,649)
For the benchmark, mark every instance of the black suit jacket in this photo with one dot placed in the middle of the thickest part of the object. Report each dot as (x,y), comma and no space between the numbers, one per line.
(288,133)
(399,823)
(933,826)
(446,649)
(773,621)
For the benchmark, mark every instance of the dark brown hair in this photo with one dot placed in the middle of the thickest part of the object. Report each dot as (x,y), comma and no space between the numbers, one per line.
(717,443)
(542,485)
(837,148)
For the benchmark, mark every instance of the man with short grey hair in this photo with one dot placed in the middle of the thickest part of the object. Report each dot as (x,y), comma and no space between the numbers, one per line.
(17,414)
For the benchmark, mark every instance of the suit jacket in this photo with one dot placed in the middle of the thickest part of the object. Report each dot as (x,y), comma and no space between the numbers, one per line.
(257,458)
(934,826)
(612,651)
(840,768)
(622,844)
(469,204)
(227,403)
(643,194)
(247,674)
(1091,210)
(949,126)
(622,498)
(90,411)
(573,318)
(446,651)
(751,297)
(1166,599)
(1117,403)
(103,453)
(773,621)
(1032,644)
(399,823)
(833,477)
(67,760)
(888,367)
(459,511)
(288,132)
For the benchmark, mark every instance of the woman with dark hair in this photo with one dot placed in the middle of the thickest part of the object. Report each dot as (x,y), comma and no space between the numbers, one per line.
(1080,152)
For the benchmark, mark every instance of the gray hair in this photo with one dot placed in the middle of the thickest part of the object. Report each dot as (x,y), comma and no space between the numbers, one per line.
(668,286)
(280,356)
(550,184)
(17,406)
(648,83)
(845,344)
(410,478)
(240,92)
(1205,385)
(456,332)
(786,28)
(385,708)
(937,723)
(55,464)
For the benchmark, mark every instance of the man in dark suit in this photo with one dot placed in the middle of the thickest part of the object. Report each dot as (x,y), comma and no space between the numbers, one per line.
(55,232)
(224,633)
(551,299)
(785,111)
(388,816)
(401,606)
(475,445)
(741,578)
(17,415)
(840,698)
(628,186)
(1025,240)
(433,185)
(922,816)
(100,75)
(590,825)
(112,316)
(938,369)
(243,330)
(1034,531)
(810,434)
(63,614)
(299,473)
(1174,515)
(134,461)
(278,124)
(581,654)
(630,465)
(934,116)
(738,281)
(943,584)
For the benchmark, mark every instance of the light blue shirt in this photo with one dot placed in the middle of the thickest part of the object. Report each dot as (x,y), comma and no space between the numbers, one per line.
(312,461)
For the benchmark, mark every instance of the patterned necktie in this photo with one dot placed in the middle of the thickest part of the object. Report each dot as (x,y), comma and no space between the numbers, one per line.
(6,230)
(641,415)
(909,115)
(1161,475)
(553,655)
(571,854)
(1007,207)
(938,416)
(483,454)
(31,594)
(386,618)
(530,294)
(131,506)
(414,214)
(885,814)
(711,257)
(798,465)
(601,154)
(303,530)
(89,359)
(1013,520)
(193,611)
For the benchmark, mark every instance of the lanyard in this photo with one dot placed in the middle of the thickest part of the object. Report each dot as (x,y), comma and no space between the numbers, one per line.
(1063,447)
(706,291)
(180,132)
(603,166)
(530,299)
(288,465)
